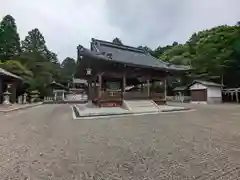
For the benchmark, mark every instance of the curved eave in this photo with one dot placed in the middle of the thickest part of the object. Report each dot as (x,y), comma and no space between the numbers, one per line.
(7,73)
(85,52)
(59,85)
(180,68)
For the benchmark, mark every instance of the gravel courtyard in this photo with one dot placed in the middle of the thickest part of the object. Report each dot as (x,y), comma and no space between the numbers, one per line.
(45,143)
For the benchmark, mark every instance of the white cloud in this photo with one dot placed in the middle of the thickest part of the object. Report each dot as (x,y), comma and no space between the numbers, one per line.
(67,23)
(159,22)
(64,24)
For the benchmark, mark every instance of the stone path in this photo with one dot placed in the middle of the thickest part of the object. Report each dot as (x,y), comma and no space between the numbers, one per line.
(45,143)
(13,107)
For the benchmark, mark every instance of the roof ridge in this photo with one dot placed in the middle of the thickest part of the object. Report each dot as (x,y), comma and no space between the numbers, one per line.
(124,47)
(7,73)
(204,82)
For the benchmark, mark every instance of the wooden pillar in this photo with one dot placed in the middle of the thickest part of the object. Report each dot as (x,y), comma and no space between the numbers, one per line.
(95,88)
(148,88)
(165,88)
(13,91)
(99,88)
(123,84)
(90,90)
(1,91)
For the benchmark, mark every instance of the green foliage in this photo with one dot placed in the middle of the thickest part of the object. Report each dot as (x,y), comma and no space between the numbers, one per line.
(41,61)
(213,54)
(34,42)
(33,61)
(117,41)
(17,68)
(9,38)
(69,66)
(145,48)
(160,50)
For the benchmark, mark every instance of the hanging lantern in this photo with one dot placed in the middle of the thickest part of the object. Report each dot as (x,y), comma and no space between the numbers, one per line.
(89,71)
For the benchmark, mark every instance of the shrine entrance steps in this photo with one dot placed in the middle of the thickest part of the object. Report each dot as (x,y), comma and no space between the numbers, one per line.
(141,106)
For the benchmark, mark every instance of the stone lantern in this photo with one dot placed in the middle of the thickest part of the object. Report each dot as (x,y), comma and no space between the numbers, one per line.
(34,95)
(88,71)
(6,98)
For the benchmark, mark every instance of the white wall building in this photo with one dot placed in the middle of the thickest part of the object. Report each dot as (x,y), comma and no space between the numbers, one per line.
(205,92)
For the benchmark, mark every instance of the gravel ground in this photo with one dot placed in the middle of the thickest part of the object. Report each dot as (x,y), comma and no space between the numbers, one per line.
(45,143)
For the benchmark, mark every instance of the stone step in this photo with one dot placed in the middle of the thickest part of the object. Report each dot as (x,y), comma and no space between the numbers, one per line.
(145,110)
(142,106)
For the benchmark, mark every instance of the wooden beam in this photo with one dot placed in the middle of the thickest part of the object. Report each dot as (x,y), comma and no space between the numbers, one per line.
(148,88)
(100,83)
(123,82)
(165,88)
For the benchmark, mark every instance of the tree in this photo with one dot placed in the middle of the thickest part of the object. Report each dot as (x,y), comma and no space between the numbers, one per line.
(160,50)
(69,66)
(212,53)
(41,61)
(34,42)
(9,38)
(175,43)
(117,41)
(145,48)
(15,67)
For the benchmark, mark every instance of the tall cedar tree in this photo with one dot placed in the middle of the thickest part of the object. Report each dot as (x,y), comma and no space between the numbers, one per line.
(9,39)
(34,42)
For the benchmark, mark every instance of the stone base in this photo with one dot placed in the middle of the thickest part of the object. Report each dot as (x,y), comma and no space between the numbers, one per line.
(198,102)
(214,100)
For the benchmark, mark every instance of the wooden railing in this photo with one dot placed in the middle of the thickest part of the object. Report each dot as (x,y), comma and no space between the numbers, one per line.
(111,95)
(135,95)
(158,98)
(157,95)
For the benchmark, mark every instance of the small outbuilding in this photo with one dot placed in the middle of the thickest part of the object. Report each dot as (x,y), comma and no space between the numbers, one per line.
(181,93)
(205,92)
(9,82)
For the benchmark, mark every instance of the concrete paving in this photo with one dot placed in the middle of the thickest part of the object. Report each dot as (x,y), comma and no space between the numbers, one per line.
(103,111)
(15,107)
(88,110)
(45,143)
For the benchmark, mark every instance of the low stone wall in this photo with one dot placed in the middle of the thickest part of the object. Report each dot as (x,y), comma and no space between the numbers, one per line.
(66,102)
(214,100)
(179,98)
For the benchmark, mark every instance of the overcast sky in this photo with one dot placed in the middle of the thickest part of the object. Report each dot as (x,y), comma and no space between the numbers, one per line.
(67,23)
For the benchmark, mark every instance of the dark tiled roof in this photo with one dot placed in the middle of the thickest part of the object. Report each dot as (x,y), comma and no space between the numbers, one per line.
(180,88)
(206,83)
(55,84)
(6,73)
(79,81)
(128,55)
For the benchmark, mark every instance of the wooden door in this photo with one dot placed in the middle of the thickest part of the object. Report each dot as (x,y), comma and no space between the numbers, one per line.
(199,95)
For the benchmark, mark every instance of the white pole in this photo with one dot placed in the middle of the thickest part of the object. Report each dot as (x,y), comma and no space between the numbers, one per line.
(55,95)
(236,91)
(63,95)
